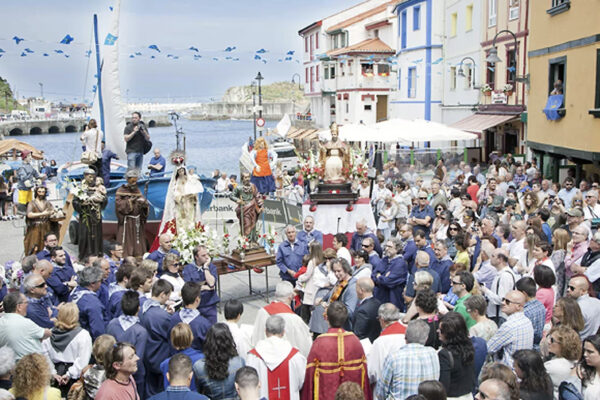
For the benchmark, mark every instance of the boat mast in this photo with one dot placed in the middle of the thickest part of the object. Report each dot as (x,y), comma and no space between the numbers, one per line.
(99,74)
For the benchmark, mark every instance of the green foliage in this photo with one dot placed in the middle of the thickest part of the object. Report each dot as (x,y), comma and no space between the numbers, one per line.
(6,94)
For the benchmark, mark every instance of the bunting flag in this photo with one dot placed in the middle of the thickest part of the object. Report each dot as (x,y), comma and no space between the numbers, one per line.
(192,48)
(261,51)
(1,50)
(17,39)
(154,47)
(257,57)
(290,53)
(58,51)
(137,53)
(230,49)
(110,40)
(28,50)
(67,39)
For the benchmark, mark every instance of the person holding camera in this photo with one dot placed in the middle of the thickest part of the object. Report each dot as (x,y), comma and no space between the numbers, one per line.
(136,135)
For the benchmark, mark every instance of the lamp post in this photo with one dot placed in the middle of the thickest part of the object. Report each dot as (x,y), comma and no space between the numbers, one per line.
(259,78)
(41,89)
(253,87)
(299,80)
(461,72)
(493,58)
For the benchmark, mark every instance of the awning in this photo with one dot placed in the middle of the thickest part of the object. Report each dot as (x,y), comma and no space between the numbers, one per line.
(296,133)
(477,123)
(8,145)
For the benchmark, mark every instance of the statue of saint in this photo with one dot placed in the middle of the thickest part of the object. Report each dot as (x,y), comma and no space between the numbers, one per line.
(250,205)
(334,155)
(89,200)
(132,211)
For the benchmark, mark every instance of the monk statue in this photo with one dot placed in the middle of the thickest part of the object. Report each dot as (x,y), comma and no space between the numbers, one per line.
(334,155)
(250,205)
(132,211)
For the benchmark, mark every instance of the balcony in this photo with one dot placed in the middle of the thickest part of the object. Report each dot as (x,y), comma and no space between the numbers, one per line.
(559,6)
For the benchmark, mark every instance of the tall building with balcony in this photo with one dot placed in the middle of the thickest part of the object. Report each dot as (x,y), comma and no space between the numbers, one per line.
(419,85)
(462,61)
(501,117)
(564,99)
(335,50)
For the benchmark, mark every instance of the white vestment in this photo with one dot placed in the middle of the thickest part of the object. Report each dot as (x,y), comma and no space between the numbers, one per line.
(273,351)
(381,348)
(296,331)
(241,339)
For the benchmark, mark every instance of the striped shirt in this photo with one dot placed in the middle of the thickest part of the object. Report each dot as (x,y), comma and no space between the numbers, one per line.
(404,369)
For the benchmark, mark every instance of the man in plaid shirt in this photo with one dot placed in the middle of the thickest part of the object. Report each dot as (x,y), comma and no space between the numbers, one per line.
(410,365)
(516,333)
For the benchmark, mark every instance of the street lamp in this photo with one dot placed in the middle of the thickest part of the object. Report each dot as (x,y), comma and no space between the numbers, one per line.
(259,78)
(41,89)
(492,57)
(299,80)
(461,72)
(253,87)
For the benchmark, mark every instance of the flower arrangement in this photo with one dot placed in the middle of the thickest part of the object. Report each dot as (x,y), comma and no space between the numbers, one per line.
(186,242)
(310,167)
(508,88)
(359,167)
(242,243)
(225,240)
(80,192)
(270,236)
(486,88)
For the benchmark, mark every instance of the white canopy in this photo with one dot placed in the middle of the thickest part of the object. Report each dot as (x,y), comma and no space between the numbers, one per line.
(406,132)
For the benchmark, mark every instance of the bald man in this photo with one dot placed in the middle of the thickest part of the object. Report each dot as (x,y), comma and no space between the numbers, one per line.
(165,242)
(493,389)
(516,333)
(578,289)
(365,323)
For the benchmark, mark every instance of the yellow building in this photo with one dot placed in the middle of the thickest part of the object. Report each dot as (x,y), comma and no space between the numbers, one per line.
(564,56)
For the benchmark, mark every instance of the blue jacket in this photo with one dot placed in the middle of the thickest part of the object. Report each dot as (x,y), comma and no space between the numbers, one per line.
(442,267)
(45,255)
(309,237)
(177,394)
(375,261)
(193,354)
(410,252)
(208,298)
(199,326)
(427,211)
(137,336)
(37,311)
(350,299)
(157,324)
(103,295)
(159,256)
(113,310)
(435,286)
(357,239)
(91,311)
(56,281)
(288,259)
(390,284)
(427,249)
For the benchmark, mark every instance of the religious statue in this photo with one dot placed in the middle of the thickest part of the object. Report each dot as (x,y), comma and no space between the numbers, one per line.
(27,177)
(89,199)
(132,211)
(334,155)
(39,211)
(262,159)
(250,205)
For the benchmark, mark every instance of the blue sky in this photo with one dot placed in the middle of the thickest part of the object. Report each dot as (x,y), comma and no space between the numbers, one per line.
(173,25)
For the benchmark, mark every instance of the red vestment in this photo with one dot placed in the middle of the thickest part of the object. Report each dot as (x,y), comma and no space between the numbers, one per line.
(335,357)
(278,307)
(279,378)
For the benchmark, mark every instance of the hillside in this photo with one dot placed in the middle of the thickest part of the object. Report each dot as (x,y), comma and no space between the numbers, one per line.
(275,92)
(6,94)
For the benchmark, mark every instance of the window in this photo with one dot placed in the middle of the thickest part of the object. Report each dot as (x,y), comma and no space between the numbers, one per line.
(335,39)
(316,40)
(556,3)
(557,69)
(412,82)
(383,70)
(306,77)
(376,33)
(492,8)
(317,73)
(367,107)
(513,11)
(312,45)
(416,18)
(342,72)
(350,68)
(453,23)
(403,28)
(559,6)
(452,78)
(332,72)
(468,76)
(469,17)
(312,79)
(367,69)
(347,106)
(490,75)
(596,111)
(306,44)
(511,66)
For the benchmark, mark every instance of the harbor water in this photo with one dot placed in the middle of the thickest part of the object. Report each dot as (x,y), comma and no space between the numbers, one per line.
(210,145)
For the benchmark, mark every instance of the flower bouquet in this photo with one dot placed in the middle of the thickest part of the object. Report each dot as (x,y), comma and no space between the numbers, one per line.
(185,243)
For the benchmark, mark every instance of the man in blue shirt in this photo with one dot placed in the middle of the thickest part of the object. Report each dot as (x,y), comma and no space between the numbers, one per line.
(422,245)
(204,272)
(289,255)
(51,241)
(107,155)
(309,233)
(422,216)
(39,305)
(361,233)
(165,242)
(91,310)
(157,164)
(180,375)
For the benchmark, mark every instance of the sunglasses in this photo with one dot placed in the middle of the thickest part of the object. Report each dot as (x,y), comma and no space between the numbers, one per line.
(422,198)
(456,283)
(366,245)
(509,302)
(41,285)
(452,229)
(571,287)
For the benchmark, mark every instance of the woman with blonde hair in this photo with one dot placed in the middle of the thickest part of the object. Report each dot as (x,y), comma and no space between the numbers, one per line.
(181,340)
(69,347)
(263,159)
(564,343)
(31,379)
(95,375)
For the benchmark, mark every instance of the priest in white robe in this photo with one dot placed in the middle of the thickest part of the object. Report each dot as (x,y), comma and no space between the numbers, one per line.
(390,339)
(296,331)
(233,311)
(281,367)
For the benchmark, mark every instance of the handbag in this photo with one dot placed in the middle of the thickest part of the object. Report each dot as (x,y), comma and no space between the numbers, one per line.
(77,390)
(91,156)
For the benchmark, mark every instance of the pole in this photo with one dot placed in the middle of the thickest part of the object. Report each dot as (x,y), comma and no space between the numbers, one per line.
(260,100)
(99,73)
(254,111)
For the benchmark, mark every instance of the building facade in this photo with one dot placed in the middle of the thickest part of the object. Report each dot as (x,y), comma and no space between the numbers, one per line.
(419,85)
(564,60)
(462,61)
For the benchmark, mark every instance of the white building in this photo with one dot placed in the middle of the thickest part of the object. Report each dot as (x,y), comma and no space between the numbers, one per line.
(462,53)
(333,50)
(420,65)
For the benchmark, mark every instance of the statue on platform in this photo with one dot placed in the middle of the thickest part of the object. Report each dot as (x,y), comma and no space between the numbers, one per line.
(250,205)
(334,155)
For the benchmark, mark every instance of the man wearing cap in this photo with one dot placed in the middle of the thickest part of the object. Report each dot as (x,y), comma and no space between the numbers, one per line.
(26,177)
(422,215)
(574,219)
(132,211)
(88,201)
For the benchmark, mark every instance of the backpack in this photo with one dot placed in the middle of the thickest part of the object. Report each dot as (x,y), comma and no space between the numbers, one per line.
(568,391)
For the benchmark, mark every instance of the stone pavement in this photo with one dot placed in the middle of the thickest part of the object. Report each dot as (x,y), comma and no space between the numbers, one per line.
(234,285)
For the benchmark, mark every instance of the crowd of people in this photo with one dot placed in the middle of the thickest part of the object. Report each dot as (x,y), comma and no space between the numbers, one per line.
(470,285)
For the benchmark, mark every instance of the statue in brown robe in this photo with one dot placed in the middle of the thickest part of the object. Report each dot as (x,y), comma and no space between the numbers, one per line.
(132,211)
(38,222)
(250,205)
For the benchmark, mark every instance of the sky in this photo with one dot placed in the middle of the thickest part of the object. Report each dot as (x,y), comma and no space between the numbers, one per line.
(174,26)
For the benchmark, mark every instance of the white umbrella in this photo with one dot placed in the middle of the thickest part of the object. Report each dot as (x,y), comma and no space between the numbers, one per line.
(393,131)
(434,132)
(357,132)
